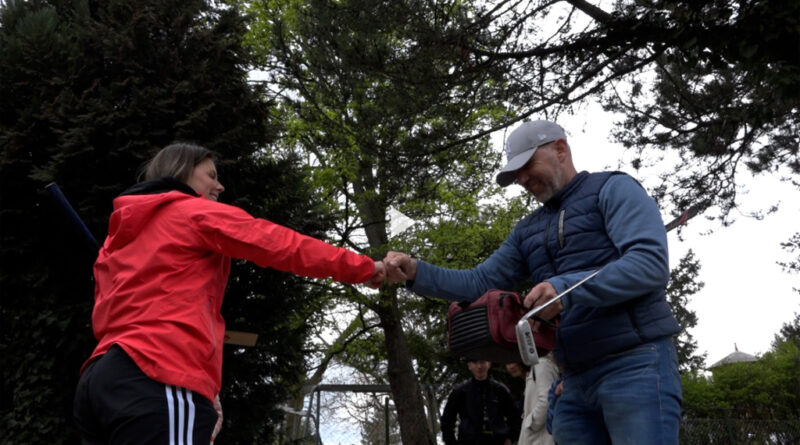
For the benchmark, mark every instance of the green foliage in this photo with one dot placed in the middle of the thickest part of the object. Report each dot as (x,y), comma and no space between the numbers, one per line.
(766,389)
(682,285)
(89,91)
(384,111)
(793,246)
(724,95)
(790,331)
(700,397)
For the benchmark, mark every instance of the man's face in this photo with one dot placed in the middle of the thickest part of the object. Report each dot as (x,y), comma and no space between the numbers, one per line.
(479,369)
(543,176)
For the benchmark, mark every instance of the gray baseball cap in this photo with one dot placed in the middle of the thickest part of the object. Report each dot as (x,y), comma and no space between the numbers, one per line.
(523,142)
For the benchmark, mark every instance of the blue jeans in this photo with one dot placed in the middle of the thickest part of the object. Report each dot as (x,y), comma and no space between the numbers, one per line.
(633,397)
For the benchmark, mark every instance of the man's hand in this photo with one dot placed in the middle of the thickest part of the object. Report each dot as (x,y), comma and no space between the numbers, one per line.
(400,267)
(539,295)
(378,275)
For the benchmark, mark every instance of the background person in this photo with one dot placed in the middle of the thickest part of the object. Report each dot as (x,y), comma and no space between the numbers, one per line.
(534,417)
(483,408)
(621,381)
(160,278)
(516,385)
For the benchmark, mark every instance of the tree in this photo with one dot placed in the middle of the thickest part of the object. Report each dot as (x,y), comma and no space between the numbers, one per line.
(759,401)
(706,85)
(683,284)
(89,91)
(374,428)
(373,100)
(368,102)
(792,266)
(723,94)
(790,331)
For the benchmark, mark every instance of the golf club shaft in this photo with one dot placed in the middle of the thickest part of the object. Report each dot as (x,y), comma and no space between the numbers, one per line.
(72,216)
(538,309)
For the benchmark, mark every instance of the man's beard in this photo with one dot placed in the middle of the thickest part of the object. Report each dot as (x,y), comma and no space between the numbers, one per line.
(551,187)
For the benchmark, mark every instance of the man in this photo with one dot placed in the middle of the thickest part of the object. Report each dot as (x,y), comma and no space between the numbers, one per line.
(621,382)
(484,409)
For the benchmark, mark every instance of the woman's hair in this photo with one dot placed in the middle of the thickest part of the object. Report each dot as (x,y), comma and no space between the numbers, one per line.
(177,160)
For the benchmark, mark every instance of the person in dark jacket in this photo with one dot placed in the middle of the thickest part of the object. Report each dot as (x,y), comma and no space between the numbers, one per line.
(155,374)
(614,341)
(483,408)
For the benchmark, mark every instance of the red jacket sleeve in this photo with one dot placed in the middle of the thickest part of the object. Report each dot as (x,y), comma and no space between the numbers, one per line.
(232,231)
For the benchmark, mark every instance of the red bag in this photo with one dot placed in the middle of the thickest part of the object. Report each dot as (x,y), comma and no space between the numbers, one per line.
(484,329)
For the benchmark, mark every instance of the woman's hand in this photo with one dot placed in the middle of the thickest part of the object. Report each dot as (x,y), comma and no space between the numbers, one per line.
(378,276)
(218,425)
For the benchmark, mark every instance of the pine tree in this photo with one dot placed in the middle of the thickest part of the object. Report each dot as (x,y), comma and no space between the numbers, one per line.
(682,285)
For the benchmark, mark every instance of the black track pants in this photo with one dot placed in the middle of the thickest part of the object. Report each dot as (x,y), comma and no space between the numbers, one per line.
(116,404)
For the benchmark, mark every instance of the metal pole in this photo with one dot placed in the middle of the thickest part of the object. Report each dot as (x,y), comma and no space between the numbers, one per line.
(386,418)
(433,410)
(306,419)
(319,439)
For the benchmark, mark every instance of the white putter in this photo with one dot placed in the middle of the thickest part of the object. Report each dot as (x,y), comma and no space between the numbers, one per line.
(525,342)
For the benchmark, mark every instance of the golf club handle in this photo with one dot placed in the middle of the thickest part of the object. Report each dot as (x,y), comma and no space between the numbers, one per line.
(72,217)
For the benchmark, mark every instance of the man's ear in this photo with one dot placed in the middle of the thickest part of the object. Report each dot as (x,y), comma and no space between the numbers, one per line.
(562,149)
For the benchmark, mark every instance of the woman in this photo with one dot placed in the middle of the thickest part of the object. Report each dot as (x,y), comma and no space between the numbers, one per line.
(160,278)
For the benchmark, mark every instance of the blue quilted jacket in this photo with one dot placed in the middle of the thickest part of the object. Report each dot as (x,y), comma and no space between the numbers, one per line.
(598,220)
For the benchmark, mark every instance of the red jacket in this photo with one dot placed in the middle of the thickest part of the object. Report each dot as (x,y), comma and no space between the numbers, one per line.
(162,272)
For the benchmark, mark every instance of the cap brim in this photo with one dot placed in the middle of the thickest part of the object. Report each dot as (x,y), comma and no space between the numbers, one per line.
(508,173)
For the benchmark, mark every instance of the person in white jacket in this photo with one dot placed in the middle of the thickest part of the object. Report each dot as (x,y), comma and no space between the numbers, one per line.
(537,384)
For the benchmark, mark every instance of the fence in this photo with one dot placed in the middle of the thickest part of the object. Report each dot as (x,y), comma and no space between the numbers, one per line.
(730,431)
(730,427)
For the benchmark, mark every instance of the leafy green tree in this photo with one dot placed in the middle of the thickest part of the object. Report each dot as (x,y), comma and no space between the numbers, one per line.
(377,106)
(723,94)
(682,285)
(790,331)
(373,428)
(755,402)
(792,266)
(89,91)
(707,86)
(701,399)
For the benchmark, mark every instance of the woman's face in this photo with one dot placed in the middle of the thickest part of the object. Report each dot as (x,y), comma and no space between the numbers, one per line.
(204,180)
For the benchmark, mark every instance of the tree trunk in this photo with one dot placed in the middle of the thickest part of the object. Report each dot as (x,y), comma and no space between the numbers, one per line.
(402,378)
